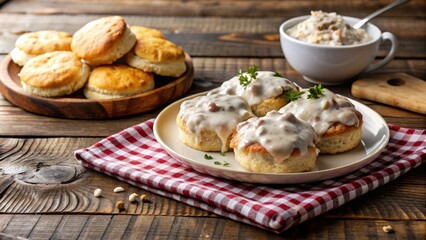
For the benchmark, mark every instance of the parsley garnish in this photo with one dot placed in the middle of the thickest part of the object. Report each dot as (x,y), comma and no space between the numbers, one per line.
(222,153)
(208,157)
(293,95)
(224,163)
(246,79)
(315,92)
(277,74)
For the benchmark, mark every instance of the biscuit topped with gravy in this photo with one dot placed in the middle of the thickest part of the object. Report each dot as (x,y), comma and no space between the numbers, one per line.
(54,74)
(263,90)
(103,41)
(159,56)
(333,117)
(207,122)
(275,143)
(32,44)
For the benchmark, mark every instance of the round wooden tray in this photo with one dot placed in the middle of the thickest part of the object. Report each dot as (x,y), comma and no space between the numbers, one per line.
(76,106)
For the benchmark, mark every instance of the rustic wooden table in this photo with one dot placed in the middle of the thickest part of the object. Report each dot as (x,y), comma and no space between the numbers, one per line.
(45,193)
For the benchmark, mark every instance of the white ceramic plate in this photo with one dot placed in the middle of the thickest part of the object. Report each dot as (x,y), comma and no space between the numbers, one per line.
(375,136)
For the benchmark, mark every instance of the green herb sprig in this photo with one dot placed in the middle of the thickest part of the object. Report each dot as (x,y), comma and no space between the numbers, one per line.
(315,92)
(292,95)
(277,74)
(224,163)
(246,79)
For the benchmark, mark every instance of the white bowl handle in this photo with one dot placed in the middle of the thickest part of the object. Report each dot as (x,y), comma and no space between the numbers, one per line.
(385,36)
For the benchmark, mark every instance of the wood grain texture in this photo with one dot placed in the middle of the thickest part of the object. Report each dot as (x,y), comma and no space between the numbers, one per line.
(209,73)
(33,179)
(398,89)
(161,227)
(222,37)
(236,8)
(46,194)
(36,181)
(384,206)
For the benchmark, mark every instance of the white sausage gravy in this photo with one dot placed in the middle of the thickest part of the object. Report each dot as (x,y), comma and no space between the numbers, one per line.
(280,134)
(265,86)
(217,112)
(327,29)
(323,112)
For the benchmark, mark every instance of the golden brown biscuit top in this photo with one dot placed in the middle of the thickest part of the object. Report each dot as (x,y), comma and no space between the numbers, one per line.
(142,32)
(36,43)
(159,50)
(99,36)
(340,128)
(52,70)
(120,79)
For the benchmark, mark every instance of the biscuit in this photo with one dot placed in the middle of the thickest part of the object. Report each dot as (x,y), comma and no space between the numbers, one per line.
(144,32)
(341,138)
(54,74)
(103,41)
(207,122)
(117,81)
(269,104)
(275,143)
(159,56)
(264,93)
(334,119)
(32,44)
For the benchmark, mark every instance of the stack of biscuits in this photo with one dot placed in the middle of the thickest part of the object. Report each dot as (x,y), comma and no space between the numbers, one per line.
(106,57)
(270,123)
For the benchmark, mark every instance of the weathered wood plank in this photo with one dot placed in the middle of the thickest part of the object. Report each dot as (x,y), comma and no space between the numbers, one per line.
(252,8)
(380,202)
(356,229)
(209,73)
(28,162)
(42,176)
(70,226)
(139,226)
(45,227)
(161,227)
(95,227)
(233,37)
(4,220)
(21,225)
(117,227)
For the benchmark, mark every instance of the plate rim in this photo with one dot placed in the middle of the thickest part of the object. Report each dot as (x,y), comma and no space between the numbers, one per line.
(363,160)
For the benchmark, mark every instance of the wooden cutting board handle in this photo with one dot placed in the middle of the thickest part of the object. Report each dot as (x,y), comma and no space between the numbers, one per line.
(396,89)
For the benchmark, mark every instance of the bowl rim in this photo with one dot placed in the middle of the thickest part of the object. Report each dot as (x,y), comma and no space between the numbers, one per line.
(299,19)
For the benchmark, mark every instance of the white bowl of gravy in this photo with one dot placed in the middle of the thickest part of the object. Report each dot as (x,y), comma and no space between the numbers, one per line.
(328,63)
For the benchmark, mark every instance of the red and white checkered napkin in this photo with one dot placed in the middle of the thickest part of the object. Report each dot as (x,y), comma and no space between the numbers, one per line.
(134,156)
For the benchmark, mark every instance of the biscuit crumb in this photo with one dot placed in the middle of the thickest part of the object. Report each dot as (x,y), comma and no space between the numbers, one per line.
(144,198)
(98,192)
(133,197)
(118,189)
(120,205)
(388,229)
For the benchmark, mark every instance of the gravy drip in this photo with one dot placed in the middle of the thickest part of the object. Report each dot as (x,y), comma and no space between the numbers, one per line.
(323,112)
(218,113)
(279,134)
(265,86)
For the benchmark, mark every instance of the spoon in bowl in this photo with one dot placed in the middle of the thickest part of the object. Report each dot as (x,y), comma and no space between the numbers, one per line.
(377,13)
